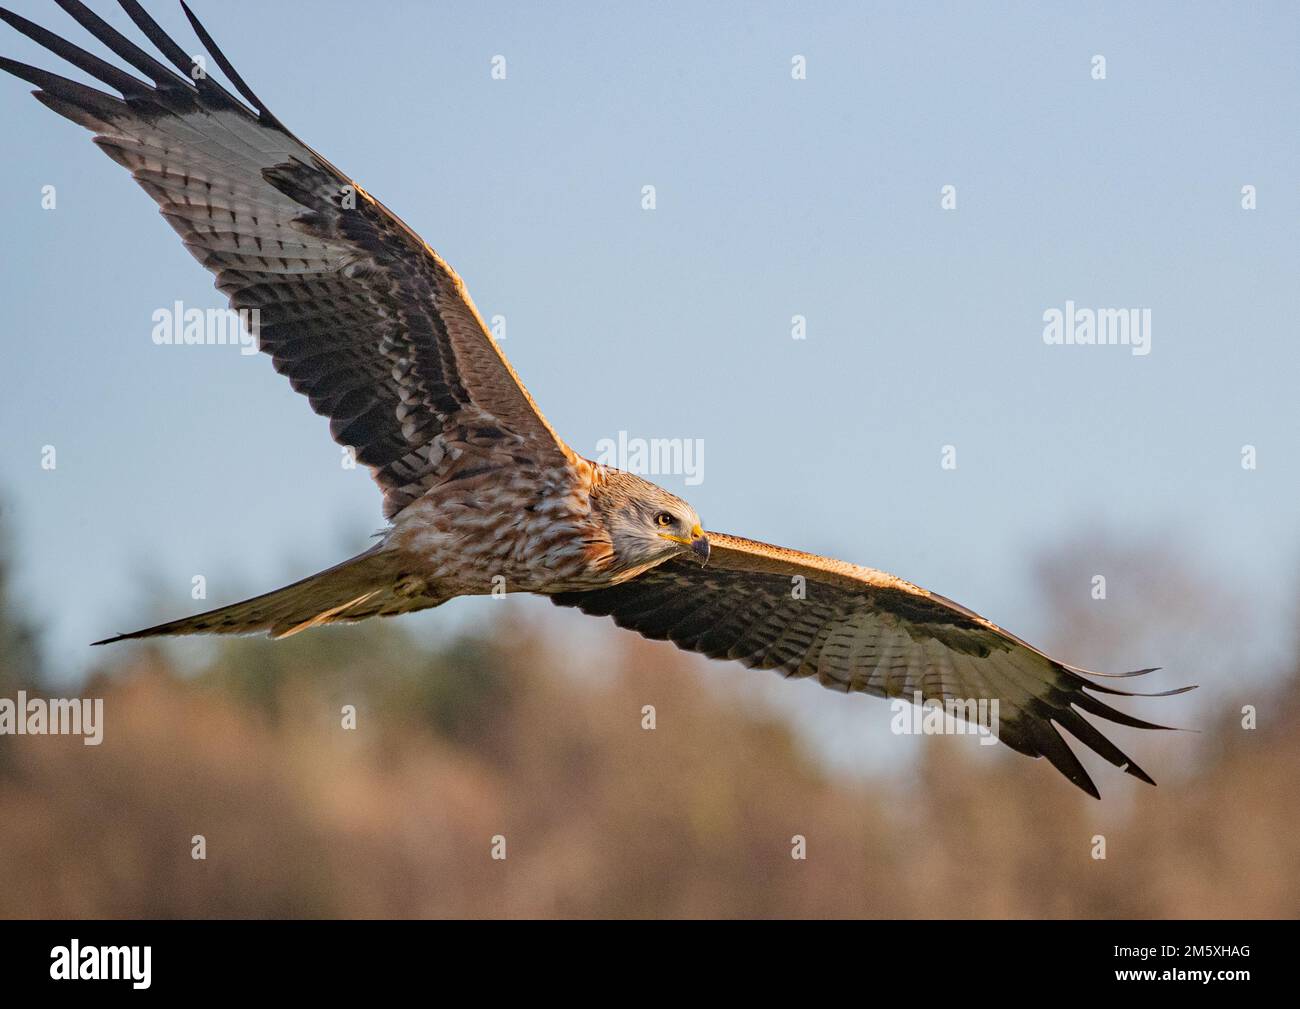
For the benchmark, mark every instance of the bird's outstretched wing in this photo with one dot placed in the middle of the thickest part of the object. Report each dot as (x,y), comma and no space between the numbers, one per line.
(363,317)
(858,629)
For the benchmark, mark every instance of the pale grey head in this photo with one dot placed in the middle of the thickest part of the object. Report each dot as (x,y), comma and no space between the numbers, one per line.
(646,524)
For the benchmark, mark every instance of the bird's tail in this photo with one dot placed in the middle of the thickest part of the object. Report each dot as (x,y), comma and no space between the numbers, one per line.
(375,583)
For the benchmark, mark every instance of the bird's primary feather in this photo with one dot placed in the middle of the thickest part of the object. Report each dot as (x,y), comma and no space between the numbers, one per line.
(363,317)
(857,629)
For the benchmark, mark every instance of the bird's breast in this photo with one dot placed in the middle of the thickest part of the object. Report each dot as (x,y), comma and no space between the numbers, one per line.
(534,534)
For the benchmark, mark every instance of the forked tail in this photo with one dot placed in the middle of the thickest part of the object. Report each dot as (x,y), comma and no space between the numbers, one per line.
(371,584)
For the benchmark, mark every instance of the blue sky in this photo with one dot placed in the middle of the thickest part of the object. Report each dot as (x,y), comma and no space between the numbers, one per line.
(775,197)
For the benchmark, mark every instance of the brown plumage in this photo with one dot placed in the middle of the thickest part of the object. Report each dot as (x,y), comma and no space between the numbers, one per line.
(380,335)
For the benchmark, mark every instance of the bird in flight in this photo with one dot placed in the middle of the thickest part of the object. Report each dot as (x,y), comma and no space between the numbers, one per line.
(379,333)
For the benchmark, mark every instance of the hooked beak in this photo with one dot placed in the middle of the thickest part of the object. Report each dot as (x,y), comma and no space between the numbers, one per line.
(698,542)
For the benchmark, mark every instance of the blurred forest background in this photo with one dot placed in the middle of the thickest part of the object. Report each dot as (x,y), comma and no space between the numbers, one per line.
(496,734)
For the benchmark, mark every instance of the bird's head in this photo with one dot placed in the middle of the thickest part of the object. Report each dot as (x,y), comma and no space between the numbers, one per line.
(646,524)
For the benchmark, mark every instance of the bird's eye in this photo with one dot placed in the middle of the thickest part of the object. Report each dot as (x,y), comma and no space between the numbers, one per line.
(664,519)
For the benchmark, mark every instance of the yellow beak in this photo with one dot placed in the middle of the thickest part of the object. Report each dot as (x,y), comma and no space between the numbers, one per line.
(698,542)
